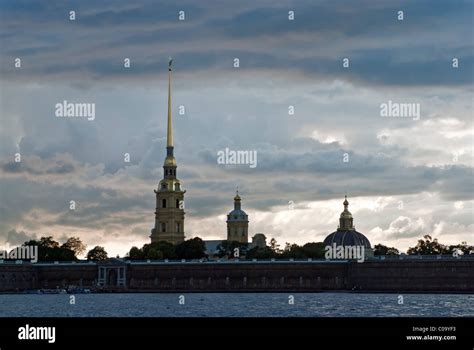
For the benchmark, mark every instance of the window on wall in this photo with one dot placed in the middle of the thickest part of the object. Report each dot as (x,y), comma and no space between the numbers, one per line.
(177,227)
(163,227)
(163,203)
(177,203)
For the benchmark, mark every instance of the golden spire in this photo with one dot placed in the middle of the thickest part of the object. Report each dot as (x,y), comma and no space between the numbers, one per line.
(237,201)
(346,219)
(169,140)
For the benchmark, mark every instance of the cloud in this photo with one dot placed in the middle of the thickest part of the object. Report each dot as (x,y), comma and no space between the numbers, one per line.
(14,238)
(283,63)
(260,35)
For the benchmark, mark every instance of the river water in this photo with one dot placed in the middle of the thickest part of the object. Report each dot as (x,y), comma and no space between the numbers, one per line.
(236,305)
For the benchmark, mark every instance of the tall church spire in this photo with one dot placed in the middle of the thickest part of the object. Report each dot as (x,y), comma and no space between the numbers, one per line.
(169,210)
(169,136)
(170,162)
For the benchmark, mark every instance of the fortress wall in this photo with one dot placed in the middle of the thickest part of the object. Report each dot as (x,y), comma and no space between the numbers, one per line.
(390,276)
(53,276)
(238,277)
(435,275)
(35,276)
(17,277)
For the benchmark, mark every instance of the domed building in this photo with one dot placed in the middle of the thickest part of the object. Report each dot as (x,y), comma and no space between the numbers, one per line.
(238,223)
(346,234)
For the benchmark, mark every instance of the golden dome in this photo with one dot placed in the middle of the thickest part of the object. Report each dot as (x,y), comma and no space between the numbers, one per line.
(346,214)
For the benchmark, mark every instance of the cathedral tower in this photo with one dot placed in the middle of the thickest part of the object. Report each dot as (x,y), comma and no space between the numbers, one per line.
(237,223)
(169,213)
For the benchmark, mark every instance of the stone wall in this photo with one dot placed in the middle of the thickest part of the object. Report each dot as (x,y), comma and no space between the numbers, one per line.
(415,276)
(239,277)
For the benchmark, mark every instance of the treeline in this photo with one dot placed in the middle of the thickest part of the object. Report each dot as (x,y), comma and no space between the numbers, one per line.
(427,246)
(195,248)
(316,250)
(191,249)
(51,250)
(230,249)
(430,246)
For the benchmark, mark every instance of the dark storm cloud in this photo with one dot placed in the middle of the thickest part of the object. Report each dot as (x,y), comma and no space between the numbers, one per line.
(322,174)
(16,238)
(58,168)
(94,45)
(342,17)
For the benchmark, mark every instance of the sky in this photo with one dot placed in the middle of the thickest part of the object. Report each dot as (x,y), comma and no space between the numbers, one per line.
(404,176)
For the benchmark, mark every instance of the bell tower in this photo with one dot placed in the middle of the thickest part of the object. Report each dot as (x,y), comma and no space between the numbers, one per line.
(237,223)
(169,212)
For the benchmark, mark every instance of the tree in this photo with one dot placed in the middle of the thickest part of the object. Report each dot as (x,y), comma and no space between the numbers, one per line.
(314,250)
(380,249)
(76,245)
(309,250)
(136,254)
(48,242)
(274,246)
(49,250)
(228,249)
(463,248)
(293,251)
(194,248)
(154,254)
(97,253)
(428,246)
(167,249)
(261,253)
